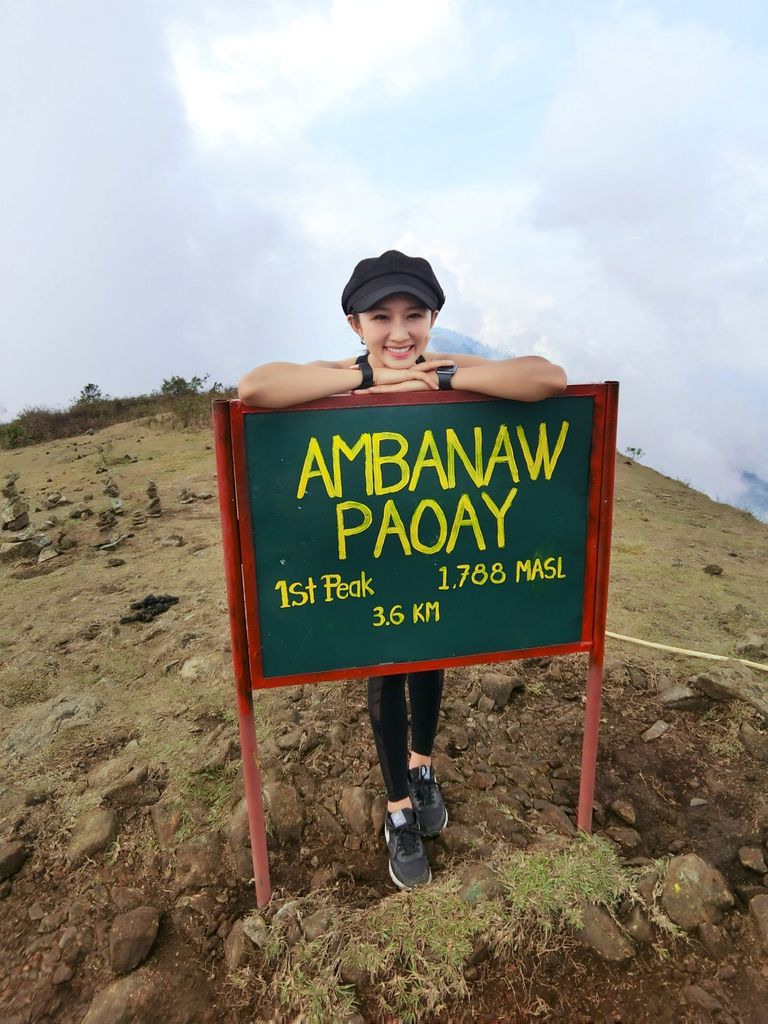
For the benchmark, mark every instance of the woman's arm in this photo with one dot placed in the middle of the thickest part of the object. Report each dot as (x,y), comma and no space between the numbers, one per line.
(526,378)
(279,385)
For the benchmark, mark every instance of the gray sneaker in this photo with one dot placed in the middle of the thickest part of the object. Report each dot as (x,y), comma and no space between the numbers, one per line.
(427,800)
(408,864)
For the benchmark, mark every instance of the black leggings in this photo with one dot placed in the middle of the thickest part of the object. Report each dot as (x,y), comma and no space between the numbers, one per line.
(389,721)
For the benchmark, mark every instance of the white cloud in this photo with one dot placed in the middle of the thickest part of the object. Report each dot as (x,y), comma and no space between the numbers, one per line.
(261,86)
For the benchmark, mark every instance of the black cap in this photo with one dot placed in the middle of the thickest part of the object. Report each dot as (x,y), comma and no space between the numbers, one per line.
(375,278)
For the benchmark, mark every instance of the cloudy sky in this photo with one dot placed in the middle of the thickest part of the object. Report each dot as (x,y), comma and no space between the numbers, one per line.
(186,185)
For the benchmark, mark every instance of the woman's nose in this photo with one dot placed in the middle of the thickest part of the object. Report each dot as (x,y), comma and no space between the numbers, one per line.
(398,331)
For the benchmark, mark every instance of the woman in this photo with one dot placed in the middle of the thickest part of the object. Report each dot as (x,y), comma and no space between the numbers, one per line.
(391,302)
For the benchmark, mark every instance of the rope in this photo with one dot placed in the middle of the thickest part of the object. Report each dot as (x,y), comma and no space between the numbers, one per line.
(682,650)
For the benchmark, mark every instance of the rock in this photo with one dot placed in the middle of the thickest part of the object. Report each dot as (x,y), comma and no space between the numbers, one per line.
(236,947)
(713,570)
(758,911)
(600,933)
(219,747)
(699,998)
(694,892)
(131,938)
(754,742)
(124,1002)
(198,862)
(290,740)
(286,812)
(286,920)
(378,813)
(355,806)
(646,885)
(623,810)
(62,975)
(319,923)
(41,727)
(166,820)
(195,668)
(655,731)
(478,882)
(338,734)
(751,647)
(626,837)
(173,540)
(457,839)
(91,832)
(486,705)
(481,780)
(12,857)
(551,816)
(752,858)
(126,898)
(714,940)
(125,792)
(732,682)
(499,686)
(638,925)
(256,929)
(445,769)
(46,555)
(682,698)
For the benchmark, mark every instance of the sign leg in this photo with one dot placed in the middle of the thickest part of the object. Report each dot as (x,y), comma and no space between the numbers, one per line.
(589,746)
(254,801)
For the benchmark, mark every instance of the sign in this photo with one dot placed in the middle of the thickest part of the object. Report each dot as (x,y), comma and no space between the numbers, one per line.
(421,532)
(408,531)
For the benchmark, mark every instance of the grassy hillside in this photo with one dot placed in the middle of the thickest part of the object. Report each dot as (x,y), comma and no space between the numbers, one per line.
(156,698)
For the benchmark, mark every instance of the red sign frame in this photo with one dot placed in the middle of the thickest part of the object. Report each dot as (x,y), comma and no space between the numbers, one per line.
(240,571)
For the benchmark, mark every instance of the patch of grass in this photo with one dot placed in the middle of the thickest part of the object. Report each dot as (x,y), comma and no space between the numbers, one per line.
(18,688)
(723,724)
(412,948)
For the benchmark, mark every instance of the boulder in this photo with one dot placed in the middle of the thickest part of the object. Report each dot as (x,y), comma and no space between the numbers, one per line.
(42,726)
(198,862)
(355,806)
(12,857)
(131,938)
(499,686)
(92,832)
(758,911)
(124,1002)
(479,882)
(732,682)
(600,933)
(754,742)
(285,809)
(695,892)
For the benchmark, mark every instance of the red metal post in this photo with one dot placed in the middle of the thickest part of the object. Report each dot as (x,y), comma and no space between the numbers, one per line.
(237,626)
(597,653)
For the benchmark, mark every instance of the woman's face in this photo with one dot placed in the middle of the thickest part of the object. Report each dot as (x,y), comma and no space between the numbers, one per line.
(395,332)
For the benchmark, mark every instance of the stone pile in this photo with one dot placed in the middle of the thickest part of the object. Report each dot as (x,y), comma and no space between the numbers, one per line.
(15,514)
(153,507)
(22,541)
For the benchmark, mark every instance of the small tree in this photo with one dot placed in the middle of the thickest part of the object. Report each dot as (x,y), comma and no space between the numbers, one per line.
(90,393)
(176,387)
(635,453)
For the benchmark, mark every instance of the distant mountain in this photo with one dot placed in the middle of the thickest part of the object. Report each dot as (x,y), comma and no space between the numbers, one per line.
(755,496)
(452,341)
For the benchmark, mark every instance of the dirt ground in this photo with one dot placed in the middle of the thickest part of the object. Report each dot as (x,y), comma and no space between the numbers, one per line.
(158,695)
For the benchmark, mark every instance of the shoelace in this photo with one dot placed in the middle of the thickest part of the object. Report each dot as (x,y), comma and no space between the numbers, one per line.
(426,790)
(409,838)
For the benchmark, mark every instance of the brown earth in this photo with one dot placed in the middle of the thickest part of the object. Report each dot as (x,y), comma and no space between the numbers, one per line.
(158,696)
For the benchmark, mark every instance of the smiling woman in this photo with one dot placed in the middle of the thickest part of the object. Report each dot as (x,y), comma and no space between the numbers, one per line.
(391,303)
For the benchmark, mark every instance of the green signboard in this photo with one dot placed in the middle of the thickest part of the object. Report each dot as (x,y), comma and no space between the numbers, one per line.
(417,532)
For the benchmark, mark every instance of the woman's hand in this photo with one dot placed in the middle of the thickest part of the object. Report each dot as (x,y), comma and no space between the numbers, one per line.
(419,377)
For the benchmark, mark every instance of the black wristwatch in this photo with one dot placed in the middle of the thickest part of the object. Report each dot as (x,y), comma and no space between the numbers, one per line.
(445,377)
